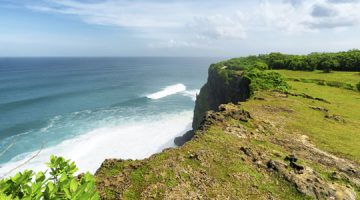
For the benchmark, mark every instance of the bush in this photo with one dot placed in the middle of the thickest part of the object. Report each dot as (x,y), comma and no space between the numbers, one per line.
(61,183)
(265,80)
(260,66)
(358,86)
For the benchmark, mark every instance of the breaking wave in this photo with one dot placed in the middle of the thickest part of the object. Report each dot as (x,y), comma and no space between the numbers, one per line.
(167,91)
(133,140)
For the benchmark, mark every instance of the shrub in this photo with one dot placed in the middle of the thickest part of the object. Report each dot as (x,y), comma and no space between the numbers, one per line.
(260,66)
(265,80)
(358,86)
(61,183)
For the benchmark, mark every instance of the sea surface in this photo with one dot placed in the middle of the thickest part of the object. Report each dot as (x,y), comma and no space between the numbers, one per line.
(90,109)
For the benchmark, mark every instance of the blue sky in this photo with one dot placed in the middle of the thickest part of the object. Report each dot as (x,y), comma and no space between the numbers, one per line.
(176,27)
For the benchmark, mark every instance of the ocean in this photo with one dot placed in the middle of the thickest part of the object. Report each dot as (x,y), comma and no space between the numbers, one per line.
(90,109)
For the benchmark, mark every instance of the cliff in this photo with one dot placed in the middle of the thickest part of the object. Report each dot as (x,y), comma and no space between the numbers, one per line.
(273,145)
(223,86)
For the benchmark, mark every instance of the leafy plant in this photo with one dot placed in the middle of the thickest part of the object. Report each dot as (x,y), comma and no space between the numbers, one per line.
(60,183)
(260,66)
(358,86)
(265,80)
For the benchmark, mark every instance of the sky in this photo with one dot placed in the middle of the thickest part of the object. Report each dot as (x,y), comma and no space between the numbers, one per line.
(222,28)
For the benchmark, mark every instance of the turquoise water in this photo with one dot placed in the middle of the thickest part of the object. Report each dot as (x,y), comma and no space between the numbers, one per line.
(89,109)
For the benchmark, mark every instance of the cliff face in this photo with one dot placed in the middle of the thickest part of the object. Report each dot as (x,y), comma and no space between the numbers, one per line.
(221,87)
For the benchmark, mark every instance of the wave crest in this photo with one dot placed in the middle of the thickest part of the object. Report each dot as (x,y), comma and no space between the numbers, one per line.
(167,91)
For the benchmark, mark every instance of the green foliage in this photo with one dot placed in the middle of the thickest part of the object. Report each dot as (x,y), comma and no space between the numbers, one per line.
(358,86)
(328,64)
(224,75)
(260,66)
(61,184)
(341,61)
(244,63)
(265,80)
(277,61)
(300,64)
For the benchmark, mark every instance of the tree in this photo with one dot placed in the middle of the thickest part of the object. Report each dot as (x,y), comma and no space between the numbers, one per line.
(300,63)
(341,61)
(277,61)
(329,64)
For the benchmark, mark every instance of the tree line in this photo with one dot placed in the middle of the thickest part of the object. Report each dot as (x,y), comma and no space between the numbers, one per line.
(340,61)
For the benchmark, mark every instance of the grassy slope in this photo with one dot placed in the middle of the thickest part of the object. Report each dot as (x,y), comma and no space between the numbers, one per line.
(209,167)
(339,138)
(212,166)
(346,77)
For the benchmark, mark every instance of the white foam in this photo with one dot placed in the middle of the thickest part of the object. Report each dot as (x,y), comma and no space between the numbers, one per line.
(51,124)
(169,90)
(191,93)
(136,140)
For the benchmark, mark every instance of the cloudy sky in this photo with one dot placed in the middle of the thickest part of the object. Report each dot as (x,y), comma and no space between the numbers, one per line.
(176,27)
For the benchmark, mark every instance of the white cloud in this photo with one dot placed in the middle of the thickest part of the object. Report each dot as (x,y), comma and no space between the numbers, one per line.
(193,24)
(220,26)
(115,13)
(176,44)
(310,15)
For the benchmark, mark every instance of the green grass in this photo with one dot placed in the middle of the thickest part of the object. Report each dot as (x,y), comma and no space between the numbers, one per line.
(227,163)
(345,77)
(218,170)
(336,137)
